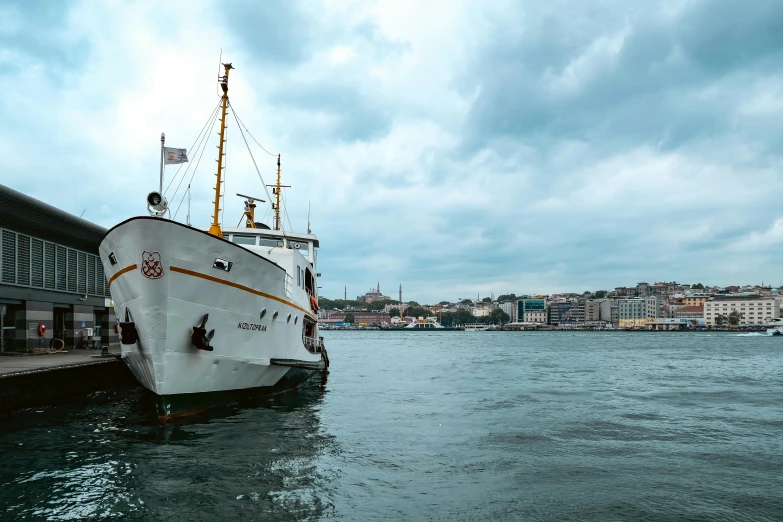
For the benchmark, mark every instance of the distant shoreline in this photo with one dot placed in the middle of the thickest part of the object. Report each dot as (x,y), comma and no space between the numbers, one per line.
(618,330)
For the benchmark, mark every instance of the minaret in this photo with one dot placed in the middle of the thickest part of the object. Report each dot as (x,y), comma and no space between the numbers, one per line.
(379,287)
(400,293)
(345,295)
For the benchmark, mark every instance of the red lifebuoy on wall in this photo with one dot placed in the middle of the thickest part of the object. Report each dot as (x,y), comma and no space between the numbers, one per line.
(116,327)
(42,329)
(313,304)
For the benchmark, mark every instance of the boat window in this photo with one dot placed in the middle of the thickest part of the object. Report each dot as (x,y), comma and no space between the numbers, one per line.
(243,240)
(270,242)
(298,276)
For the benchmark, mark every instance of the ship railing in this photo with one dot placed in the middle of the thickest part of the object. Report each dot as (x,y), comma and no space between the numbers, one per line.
(312,344)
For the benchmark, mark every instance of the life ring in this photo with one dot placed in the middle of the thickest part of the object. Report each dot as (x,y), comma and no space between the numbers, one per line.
(313,304)
(116,327)
(41,329)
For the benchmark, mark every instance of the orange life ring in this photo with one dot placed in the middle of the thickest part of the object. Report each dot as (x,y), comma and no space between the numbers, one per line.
(42,329)
(313,304)
(116,327)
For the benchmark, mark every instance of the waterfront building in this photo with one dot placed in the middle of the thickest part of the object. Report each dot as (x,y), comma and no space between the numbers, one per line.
(635,312)
(689,312)
(52,284)
(593,309)
(559,312)
(609,311)
(669,308)
(652,307)
(643,289)
(753,309)
(532,310)
(578,311)
(696,299)
(373,295)
(509,308)
(632,308)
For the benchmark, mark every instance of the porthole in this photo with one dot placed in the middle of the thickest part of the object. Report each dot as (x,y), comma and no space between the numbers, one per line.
(274,315)
(296,319)
(263,313)
(289,318)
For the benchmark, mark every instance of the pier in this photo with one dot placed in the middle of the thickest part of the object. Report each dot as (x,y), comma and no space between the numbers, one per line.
(31,380)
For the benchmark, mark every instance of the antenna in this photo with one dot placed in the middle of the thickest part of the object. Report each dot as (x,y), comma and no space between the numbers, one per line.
(250,210)
(187,219)
(276,191)
(251,198)
(308,218)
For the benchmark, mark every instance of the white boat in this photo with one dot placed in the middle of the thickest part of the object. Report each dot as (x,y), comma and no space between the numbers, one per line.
(774,327)
(476,327)
(424,323)
(209,311)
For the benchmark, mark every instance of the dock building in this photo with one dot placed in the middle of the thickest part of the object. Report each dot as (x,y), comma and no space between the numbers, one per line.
(753,309)
(52,284)
(532,311)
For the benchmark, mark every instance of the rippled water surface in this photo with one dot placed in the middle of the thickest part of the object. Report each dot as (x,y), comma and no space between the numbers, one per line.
(434,426)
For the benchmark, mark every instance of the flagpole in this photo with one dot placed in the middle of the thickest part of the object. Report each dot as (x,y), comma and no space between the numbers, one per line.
(162,143)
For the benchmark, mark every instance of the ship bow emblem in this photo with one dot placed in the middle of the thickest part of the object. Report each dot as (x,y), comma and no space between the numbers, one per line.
(151,266)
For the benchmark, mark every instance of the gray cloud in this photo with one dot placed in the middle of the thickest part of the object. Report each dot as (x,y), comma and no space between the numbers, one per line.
(517,146)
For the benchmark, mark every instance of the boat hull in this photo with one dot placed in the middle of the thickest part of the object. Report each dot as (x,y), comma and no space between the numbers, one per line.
(172,407)
(165,278)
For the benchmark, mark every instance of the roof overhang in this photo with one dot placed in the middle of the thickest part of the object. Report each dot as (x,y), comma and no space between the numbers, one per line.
(27,215)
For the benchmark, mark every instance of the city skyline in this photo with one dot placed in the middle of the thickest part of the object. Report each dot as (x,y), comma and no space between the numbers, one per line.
(454,145)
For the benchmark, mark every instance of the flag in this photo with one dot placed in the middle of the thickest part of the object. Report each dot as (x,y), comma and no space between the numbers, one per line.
(173,156)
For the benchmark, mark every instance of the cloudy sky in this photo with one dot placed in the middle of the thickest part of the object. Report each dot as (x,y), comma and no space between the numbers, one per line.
(456,147)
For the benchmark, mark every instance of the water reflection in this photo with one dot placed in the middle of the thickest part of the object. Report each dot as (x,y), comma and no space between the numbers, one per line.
(107,456)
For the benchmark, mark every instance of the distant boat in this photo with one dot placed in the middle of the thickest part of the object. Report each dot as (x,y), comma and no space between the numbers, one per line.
(775,327)
(425,323)
(476,327)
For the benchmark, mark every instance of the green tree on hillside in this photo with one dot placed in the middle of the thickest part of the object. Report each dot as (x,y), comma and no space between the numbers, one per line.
(486,300)
(698,286)
(506,297)
(498,316)
(417,311)
(442,303)
(349,318)
(463,316)
(600,294)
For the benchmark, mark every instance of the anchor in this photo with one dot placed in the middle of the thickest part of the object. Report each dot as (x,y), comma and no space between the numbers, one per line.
(128,333)
(200,337)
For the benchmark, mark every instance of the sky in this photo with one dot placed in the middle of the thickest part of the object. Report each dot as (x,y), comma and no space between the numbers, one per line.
(458,148)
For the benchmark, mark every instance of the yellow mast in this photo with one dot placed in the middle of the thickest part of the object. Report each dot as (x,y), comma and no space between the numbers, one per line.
(277,196)
(276,191)
(214,229)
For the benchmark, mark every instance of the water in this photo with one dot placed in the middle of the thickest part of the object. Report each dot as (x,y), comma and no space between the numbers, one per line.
(434,426)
